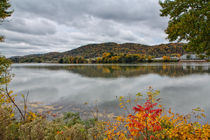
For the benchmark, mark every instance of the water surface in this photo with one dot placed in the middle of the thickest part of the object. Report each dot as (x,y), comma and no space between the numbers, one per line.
(182,86)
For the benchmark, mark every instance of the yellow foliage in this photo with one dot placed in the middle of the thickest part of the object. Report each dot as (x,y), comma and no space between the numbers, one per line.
(167,125)
(166,58)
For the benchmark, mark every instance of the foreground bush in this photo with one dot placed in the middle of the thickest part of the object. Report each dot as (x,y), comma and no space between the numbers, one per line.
(151,121)
(39,128)
(148,120)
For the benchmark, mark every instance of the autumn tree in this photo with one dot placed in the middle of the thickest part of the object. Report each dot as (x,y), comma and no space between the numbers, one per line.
(4,63)
(188,21)
(166,58)
(4,12)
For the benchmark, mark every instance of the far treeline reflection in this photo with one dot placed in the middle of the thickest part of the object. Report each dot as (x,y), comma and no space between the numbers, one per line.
(112,71)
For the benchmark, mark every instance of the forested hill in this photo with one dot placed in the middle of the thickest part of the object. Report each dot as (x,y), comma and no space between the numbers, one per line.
(97,50)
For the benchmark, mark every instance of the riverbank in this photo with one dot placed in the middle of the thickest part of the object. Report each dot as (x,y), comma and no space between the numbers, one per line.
(104,63)
(194,61)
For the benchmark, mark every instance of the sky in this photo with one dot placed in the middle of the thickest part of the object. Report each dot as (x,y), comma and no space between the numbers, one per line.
(40,26)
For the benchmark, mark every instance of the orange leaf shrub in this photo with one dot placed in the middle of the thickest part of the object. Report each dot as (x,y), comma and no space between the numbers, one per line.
(150,121)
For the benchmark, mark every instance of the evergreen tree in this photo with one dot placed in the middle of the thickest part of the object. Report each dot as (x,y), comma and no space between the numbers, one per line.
(4,12)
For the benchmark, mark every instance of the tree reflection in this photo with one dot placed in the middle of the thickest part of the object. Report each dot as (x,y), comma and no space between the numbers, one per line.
(113,71)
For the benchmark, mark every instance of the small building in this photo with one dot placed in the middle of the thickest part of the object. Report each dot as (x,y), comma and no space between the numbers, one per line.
(175,58)
(189,57)
(158,59)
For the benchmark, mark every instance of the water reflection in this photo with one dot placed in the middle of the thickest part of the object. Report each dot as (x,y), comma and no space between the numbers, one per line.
(113,71)
(182,86)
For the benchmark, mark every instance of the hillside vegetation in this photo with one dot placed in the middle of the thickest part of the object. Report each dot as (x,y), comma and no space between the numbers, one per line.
(97,50)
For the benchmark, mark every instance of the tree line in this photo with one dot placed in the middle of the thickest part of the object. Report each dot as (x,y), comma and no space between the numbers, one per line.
(110,57)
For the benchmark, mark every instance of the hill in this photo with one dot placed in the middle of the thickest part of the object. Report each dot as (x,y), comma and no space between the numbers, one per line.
(97,50)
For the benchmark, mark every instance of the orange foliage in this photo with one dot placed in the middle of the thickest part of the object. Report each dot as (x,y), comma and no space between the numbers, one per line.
(150,121)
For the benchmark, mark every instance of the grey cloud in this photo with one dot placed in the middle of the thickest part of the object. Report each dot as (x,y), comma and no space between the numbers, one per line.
(129,11)
(61,25)
(117,10)
(37,26)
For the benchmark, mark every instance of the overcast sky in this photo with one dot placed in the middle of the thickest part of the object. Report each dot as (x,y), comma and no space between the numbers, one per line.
(40,26)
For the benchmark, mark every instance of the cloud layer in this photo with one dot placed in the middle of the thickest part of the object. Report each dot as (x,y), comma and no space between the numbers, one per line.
(39,26)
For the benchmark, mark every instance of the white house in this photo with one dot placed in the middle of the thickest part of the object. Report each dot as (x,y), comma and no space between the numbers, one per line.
(189,56)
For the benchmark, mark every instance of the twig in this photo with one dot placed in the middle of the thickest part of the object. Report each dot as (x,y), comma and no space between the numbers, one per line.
(21,113)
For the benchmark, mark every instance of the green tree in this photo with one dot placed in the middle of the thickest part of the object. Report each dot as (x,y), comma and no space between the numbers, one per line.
(5,76)
(4,12)
(189,21)
(4,63)
(60,60)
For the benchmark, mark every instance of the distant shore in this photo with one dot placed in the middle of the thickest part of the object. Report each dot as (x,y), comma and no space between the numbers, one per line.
(193,61)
